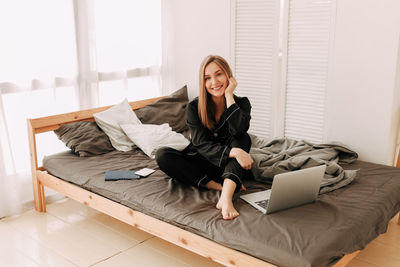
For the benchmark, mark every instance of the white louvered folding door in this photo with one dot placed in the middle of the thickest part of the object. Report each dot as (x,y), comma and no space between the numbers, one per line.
(255,56)
(306,53)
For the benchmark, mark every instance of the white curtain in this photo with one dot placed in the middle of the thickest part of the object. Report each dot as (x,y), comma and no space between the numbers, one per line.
(50,63)
(119,50)
(4,198)
(38,73)
(128,49)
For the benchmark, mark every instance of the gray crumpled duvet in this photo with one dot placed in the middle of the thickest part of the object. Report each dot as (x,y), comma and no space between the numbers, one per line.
(281,155)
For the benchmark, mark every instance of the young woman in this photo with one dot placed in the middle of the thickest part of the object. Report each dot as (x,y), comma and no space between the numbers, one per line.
(217,157)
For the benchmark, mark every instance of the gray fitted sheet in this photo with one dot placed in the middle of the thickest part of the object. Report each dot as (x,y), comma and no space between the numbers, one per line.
(316,234)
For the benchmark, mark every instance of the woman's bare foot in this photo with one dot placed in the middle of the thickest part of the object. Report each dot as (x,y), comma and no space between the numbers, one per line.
(214,185)
(225,203)
(228,211)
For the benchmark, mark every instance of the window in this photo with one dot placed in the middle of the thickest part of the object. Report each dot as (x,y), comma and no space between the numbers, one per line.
(38,70)
(53,60)
(128,49)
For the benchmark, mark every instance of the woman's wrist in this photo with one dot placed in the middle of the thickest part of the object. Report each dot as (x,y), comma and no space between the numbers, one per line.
(234,152)
(229,99)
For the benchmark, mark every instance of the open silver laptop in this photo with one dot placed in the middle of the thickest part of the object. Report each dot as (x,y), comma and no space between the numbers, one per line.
(288,190)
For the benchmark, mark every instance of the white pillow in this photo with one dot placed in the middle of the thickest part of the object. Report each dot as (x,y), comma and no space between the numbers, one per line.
(150,137)
(109,121)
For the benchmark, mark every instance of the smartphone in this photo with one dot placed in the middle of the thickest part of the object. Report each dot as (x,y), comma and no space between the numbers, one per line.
(145,172)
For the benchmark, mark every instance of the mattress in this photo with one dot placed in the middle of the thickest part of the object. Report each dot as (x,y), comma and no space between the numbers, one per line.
(315,234)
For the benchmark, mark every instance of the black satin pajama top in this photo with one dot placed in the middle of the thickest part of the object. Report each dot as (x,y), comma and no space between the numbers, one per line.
(214,145)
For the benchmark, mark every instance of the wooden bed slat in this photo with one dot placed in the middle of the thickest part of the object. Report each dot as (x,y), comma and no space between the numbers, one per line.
(347,259)
(50,123)
(398,166)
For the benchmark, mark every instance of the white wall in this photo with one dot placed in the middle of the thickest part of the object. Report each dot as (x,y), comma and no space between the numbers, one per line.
(363,98)
(195,29)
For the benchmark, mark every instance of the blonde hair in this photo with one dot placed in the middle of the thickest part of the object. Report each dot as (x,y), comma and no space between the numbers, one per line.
(206,107)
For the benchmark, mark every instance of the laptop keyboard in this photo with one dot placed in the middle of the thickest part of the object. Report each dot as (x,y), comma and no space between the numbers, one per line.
(263,203)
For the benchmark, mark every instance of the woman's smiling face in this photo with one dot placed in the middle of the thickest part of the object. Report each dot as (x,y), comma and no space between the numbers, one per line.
(215,80)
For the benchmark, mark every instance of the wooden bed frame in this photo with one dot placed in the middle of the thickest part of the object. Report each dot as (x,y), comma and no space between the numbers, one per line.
(168,232)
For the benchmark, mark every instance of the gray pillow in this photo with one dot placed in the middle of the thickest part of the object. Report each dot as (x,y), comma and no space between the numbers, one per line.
(171,109)
(84,138)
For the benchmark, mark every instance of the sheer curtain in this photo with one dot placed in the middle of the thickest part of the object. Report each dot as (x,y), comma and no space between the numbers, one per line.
(128,49)
(55,57)
(38,72)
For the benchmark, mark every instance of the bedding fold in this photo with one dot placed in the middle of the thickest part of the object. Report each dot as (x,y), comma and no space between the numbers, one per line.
(272,157)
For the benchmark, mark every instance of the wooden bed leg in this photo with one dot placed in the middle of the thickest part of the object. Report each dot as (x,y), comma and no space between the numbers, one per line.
(38,194)
(38,188)
(398,166)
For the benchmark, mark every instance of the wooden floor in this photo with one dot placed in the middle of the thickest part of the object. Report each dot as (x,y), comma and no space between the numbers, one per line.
(71,234)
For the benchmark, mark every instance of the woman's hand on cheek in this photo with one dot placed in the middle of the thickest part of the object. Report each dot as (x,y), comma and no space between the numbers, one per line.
(231,86)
